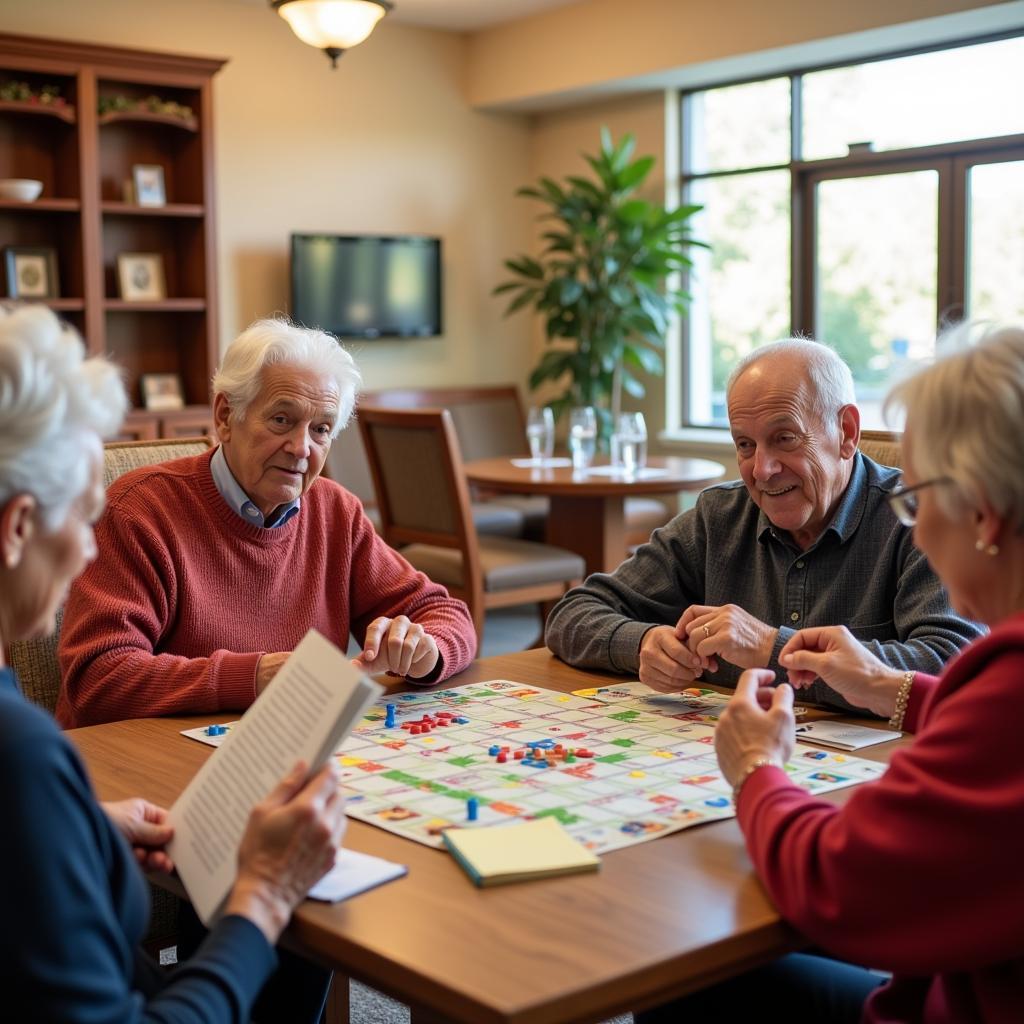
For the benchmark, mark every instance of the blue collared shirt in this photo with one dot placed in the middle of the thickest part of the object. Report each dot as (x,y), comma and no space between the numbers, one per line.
(240,502)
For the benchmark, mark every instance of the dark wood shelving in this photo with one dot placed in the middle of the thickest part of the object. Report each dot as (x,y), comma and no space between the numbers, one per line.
(155,305)
(62,111)
(113,207)
(43,205)
(189,124)
(87,161)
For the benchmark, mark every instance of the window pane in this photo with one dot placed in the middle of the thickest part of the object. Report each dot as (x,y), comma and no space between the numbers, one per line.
(739,126)
(740,287)
(972,92)
(995,254)
(876,266)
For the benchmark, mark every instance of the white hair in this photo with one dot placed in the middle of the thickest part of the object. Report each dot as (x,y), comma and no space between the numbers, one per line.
(830,378)
(53,402)
(965,420)
(278,341)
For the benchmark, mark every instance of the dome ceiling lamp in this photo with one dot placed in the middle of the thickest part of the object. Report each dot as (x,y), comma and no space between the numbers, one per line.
(332,25)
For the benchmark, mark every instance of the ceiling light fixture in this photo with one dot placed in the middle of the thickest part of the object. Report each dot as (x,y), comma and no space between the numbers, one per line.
(332,25)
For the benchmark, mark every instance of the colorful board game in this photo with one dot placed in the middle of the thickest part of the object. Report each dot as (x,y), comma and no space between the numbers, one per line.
(615,765)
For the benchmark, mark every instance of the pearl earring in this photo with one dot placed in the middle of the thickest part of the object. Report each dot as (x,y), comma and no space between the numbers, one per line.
(989,549)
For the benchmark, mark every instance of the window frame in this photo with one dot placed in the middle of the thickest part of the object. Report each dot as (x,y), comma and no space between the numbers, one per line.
(952,161)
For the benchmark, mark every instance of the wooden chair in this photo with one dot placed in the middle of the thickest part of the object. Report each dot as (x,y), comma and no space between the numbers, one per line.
(35,661)
(882,446)
(425,511)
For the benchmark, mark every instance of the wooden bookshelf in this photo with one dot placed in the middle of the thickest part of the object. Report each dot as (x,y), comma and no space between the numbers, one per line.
(87,213)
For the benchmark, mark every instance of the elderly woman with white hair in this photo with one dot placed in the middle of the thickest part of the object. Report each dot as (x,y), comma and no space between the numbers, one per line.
(74,900)
(918,873)
(213,567)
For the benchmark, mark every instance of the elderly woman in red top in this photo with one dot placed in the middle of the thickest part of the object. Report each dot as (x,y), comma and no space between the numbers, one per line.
(918,873)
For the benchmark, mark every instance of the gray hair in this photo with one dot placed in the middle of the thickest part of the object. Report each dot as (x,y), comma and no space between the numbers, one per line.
(52,401)
(278,341)
(830,378)
(965,420)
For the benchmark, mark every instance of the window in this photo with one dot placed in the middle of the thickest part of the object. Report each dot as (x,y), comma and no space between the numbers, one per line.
(862,205)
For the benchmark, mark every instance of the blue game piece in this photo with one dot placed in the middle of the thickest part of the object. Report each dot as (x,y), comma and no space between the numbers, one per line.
(215,730)
(389,720)
(462,721)
(472,809)
(494,750)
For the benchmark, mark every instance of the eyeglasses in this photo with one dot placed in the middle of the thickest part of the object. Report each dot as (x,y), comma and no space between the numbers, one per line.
(904,502)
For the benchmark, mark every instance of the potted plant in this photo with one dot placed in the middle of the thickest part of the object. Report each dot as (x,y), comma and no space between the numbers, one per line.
(603,281)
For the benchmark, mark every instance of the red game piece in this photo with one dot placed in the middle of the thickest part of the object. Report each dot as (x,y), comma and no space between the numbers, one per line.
(584,753)
(502,757)
(519,755)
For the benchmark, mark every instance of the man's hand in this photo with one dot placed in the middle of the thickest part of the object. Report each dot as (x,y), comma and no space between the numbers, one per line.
(145,827)
(666,664)
(757,723)
(398,645)
(268,667)
(727,632)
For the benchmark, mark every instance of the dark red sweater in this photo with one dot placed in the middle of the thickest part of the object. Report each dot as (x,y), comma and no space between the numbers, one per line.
(185,596)
(922,872)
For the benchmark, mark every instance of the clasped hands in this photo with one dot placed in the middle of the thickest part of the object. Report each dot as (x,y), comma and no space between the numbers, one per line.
(672,657)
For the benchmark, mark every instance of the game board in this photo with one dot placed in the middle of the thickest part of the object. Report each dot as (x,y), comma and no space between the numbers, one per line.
(653,769)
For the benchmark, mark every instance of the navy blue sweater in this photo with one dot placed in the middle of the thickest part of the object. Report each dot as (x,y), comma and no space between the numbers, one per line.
(74,904)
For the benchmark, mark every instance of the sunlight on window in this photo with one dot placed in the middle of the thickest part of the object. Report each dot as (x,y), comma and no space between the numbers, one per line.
(742,295)
(995,267)
(973,92)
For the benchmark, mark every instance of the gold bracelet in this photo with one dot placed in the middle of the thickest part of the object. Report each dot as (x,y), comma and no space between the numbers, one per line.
(761,762)
(902,700)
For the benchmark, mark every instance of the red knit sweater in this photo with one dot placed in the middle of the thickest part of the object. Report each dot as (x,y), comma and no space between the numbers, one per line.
(185,596)
(921,872)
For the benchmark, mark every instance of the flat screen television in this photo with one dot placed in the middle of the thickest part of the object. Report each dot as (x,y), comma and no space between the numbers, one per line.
(363,286)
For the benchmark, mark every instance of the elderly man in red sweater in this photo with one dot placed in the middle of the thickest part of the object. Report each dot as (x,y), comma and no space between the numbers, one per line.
(211,568)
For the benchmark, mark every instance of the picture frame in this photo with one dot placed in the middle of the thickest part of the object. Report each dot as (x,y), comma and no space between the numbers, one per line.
(141,276)
(31,272)
(148,180)
(162,391)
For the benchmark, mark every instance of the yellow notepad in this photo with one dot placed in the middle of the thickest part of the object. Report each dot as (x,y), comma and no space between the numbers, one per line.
(515,853)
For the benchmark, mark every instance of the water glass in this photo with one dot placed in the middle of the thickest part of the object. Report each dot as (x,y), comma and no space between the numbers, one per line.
(582,436)
(629,442)
(540,433)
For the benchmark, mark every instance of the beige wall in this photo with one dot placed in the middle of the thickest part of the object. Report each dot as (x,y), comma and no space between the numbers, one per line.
(384,144)
(590,45)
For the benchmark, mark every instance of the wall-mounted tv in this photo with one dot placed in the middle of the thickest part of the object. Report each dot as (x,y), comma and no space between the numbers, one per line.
(367,286)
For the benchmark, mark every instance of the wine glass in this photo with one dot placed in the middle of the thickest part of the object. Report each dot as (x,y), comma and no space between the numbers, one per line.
(582,436)
(540,433)
(629,442)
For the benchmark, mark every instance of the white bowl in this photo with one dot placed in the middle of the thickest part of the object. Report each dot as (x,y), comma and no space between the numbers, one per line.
(25,189)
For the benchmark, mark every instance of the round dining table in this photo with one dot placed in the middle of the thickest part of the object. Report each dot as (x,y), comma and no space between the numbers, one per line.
(587,510)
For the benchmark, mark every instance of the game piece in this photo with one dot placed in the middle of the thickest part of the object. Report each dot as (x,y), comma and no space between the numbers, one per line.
(472,809)
(215,730)
(389,721)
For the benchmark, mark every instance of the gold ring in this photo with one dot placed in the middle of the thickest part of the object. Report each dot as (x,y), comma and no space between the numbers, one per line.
(707,632)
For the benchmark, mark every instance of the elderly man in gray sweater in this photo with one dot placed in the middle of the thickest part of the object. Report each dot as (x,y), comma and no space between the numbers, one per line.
(805,538)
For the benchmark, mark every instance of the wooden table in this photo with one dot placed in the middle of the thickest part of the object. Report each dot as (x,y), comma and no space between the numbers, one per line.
(657,921)
(587,513)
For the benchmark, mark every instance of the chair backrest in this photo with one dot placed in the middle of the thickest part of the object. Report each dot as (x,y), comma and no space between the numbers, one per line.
(488,421)
(882,446)
(421,488)
(35,661)
(347,463)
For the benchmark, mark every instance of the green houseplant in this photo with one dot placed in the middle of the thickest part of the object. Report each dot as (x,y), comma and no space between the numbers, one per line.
(603,281)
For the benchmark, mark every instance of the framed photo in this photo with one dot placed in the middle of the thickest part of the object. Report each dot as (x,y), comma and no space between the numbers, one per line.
(149,184)
(141,276)
(162,391)
(31,272)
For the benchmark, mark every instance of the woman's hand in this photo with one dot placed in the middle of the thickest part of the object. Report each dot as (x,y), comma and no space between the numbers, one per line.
(757,723)
(288,846)
(145,827)
(832,654)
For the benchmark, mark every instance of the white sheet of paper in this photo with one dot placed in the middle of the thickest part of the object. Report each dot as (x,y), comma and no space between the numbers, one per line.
(309,707)
(843,736)
(353,873)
